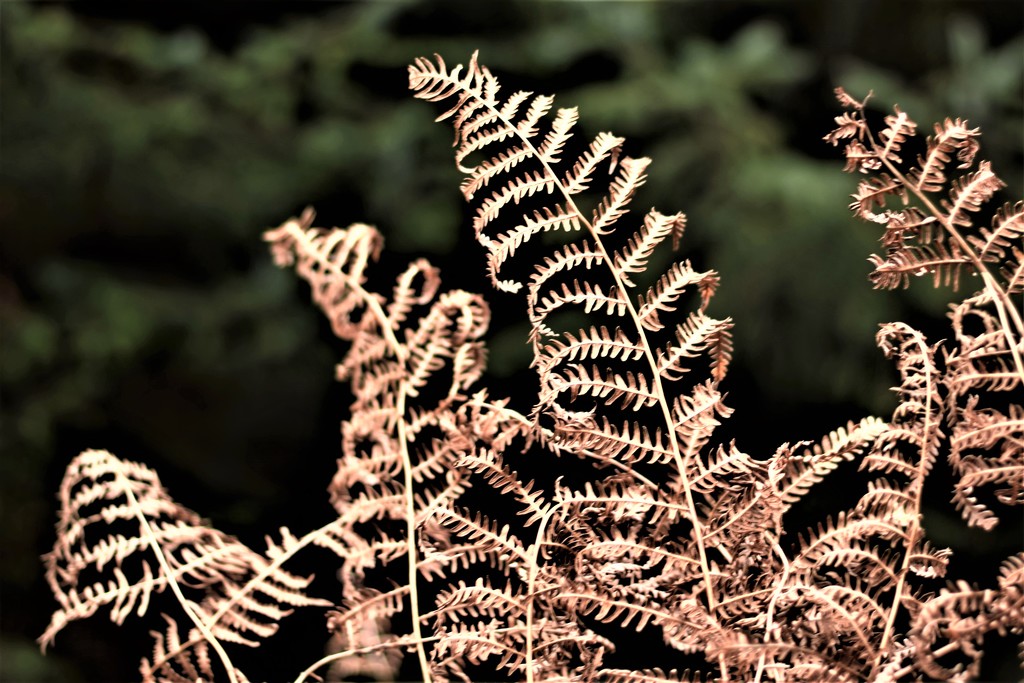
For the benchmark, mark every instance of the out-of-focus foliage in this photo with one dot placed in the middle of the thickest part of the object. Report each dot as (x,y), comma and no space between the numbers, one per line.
(143,149)
(981,83)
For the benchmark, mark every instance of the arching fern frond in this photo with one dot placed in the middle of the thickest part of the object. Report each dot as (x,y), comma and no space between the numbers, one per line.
(237,593)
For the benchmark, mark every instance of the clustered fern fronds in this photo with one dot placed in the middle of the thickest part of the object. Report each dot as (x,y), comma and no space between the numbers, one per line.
(665,531)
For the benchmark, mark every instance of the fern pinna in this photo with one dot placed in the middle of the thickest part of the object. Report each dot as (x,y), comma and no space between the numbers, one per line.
(654,526)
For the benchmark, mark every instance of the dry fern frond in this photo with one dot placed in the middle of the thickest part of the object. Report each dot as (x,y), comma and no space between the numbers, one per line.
(988,356)
(592,378)
(842,444)
(940,393)
(241,595)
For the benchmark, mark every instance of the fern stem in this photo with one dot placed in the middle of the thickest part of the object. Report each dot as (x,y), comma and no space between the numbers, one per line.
(530,588)
(410,501)
(198,562)
(769,623)
(399,351)
(915,525)
(335,656)
(936,654)
(165,567)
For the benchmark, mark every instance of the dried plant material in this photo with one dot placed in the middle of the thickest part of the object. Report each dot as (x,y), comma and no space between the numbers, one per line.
(230,593)
(665,530)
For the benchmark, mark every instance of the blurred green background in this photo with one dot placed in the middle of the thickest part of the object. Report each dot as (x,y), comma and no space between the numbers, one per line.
(145,146)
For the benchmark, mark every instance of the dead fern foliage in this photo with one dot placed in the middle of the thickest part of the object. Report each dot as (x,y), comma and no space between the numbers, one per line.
(665,531)
(228,592)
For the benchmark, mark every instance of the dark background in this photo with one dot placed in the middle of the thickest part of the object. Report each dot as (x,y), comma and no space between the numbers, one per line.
(146,146)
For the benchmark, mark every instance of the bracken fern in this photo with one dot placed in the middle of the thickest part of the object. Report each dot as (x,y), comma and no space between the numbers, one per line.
(664,531)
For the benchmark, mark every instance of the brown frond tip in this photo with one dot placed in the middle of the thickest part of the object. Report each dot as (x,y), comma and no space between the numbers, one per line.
(849,102)
(334,263)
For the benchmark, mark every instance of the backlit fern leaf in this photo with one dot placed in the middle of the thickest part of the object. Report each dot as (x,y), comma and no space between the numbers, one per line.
(842,444)
(1007,227)
(898,127)
(951,137)
(667,290)
(698,334)
(901,264)
(489,464)
(240,592)
(656,227)
(969,192)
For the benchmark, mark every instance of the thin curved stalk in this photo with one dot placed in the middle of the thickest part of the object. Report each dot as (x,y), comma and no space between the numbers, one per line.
(165,567)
